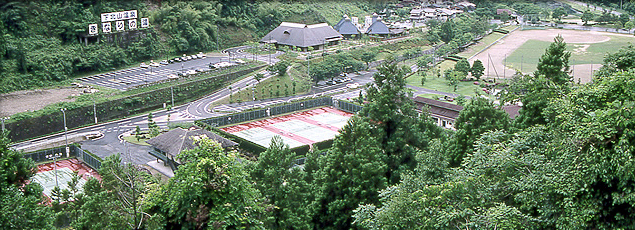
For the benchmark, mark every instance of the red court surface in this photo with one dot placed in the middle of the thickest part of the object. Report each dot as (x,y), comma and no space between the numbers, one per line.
(296,129)
(74,165)
(49,177)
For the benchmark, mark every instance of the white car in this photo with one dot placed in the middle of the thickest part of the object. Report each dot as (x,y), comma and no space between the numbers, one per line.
(240,61)
(352,85)
(193,57)
(164,62)
(173,76)
(201,55)
(154,64)
(190,72)
(144,65)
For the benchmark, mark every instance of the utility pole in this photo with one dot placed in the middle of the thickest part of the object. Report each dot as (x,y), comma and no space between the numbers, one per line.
(54,156)
(95,110)
(172,91)
(3,119)
(65,131)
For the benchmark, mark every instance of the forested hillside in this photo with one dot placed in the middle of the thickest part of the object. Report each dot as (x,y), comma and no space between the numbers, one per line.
(40,40)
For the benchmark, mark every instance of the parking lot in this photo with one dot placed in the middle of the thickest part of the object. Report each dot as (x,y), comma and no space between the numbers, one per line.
(128,78)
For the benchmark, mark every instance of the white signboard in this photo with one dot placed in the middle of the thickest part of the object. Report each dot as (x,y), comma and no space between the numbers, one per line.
(145,22)
(120,25)
(118,16)
(132,24)
(93,29)
(105,27)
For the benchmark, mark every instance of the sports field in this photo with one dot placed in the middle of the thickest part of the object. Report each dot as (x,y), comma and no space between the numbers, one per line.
(66,169)
(296,129)
(522,49)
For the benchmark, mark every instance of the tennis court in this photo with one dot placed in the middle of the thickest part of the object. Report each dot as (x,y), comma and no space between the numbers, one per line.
(65,171)
(296,129)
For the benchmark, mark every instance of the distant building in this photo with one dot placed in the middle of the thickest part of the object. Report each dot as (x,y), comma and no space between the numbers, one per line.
(347,28)
(378,27)
(443,113)
(168,145)
(302,36)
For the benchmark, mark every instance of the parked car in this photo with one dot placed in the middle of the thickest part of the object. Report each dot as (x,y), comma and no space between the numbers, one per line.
(201,55)
(154,64)
(193,57)
(201,70)
(144,65)
(177,59)
(164,62)
(352,85)
(186,58)
(240,61)
(190,72)
(173,76)
(171,61)
(331,82)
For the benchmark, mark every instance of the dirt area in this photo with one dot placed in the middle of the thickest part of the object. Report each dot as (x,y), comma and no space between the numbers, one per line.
(514,40)
(32,100)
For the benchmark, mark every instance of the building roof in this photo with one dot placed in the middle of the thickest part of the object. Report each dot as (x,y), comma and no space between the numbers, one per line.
(177,140)
(378,27)
(301,35)
(439,108)
(346,27)
(512,110)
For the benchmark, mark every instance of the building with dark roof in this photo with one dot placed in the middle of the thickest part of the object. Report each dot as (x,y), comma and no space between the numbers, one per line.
(168,145)
(378,27)
(346,28)
(295,35)
(445,114)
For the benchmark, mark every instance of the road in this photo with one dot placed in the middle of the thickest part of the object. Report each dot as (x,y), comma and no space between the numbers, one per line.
(111,143)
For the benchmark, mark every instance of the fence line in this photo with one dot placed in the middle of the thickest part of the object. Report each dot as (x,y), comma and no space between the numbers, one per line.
(74,151)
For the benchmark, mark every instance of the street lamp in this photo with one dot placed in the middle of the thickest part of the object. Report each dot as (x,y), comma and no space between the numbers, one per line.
(3,119)
(65,131)
(54,157)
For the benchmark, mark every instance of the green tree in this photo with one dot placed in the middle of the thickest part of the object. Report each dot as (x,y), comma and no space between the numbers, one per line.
(283,184)
(351,173)
(462,66)
(554,63)
(558,13)
(153,128)
(403,131)
(550,80)
(424,62)
(137,133)
(209,190)
(477,117)
(259,77)
(423,78)
(477,69)
(368,57)
(280,68)
(587,16)
(21,204)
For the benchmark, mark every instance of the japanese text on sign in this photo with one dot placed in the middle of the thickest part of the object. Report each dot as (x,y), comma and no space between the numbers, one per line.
(117,16)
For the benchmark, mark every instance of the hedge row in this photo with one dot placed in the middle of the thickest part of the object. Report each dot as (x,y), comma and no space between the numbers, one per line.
(131,105)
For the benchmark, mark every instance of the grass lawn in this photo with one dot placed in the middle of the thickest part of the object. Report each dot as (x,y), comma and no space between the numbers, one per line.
(527,56)
(276,86)
(466,88)
(487,40)
(133,140)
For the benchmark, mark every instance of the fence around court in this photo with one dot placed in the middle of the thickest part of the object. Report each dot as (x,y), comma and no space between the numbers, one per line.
(266,112)
(73,150)
(348,107)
